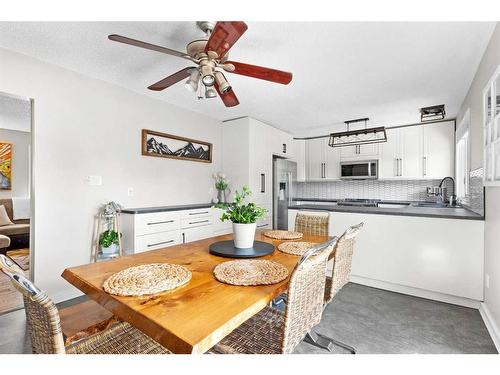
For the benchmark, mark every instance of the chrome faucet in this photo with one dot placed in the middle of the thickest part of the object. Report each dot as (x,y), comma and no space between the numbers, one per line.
(453,198)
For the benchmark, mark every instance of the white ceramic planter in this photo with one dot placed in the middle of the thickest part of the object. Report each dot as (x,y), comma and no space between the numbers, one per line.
(113,249)
(244,235)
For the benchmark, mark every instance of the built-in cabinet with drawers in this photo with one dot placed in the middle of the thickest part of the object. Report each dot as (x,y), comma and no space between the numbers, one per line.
(411,152)
(248,147)
(143,231)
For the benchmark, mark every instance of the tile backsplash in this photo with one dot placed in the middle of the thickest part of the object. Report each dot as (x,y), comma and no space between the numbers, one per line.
(400,190)
(475,199)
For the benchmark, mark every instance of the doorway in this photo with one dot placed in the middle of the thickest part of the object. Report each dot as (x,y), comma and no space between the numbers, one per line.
(15,192)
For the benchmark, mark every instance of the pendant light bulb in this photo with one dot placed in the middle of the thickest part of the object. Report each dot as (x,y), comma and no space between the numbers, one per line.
(207,75)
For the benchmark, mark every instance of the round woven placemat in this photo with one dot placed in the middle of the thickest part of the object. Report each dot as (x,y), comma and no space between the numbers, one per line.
(295,248)
(250,272)
(283,235)
(147,279)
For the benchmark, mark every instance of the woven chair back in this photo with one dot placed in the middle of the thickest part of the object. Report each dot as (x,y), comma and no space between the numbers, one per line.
(305,295)
(314,225)
(342,264)
(42,317)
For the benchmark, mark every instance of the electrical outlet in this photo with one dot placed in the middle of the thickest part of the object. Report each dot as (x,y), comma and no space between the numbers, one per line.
(487,281)
(93,180)
(130,192)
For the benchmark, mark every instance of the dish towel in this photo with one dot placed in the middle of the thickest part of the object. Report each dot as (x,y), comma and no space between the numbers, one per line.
(21,208)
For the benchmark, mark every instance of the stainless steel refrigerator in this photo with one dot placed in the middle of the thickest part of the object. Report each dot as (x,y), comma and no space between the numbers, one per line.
(284,179)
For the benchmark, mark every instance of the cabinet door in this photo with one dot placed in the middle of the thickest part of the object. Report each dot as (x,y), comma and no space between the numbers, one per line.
(349,152)
(299,155)
(389,155)
(315,160)
(410,139)
(439,146)
(332,161)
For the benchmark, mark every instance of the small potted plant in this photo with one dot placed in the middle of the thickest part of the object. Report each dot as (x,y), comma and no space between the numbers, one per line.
(222,185)
(244,218)
(109,242)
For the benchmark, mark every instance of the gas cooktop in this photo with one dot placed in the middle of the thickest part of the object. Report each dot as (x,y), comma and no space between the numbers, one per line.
(358,202)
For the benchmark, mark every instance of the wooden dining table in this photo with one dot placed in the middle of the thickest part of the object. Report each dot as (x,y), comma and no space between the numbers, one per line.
(196,316)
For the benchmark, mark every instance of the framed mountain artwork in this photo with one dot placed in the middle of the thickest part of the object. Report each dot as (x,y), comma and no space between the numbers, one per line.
(171,146)
(5,166)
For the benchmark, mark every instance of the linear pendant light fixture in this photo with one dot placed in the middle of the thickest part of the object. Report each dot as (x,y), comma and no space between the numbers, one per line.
(359,136)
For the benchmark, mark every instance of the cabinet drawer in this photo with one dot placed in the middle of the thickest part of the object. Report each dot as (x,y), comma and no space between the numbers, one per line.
(192,214)
(156,222)
(157,241)
(196,221)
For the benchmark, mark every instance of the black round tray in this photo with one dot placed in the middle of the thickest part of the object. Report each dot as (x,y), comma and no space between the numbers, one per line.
(226,249)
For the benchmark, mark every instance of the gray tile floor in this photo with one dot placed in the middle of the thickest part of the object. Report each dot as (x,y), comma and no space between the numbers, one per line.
(371,320)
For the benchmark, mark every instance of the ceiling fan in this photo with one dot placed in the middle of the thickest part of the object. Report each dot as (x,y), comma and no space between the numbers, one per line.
(211,59)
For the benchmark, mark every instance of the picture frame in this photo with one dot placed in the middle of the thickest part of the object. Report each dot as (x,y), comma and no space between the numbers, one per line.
(164,145)
(5,165)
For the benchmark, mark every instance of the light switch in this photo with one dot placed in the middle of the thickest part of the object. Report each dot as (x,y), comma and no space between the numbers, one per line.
(93,180)
(130,191)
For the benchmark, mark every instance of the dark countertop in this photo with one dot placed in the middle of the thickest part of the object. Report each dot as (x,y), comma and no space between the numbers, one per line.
(445,213)
(148,210)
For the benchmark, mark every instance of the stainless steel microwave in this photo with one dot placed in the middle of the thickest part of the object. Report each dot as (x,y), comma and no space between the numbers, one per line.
(359,170)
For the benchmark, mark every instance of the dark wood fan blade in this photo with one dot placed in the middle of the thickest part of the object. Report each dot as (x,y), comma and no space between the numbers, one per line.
(171,79)
(229,97)
(224,35)
(260,72)
(153,47)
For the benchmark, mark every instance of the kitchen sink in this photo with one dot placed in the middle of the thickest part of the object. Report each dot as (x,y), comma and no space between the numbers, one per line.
(432,205)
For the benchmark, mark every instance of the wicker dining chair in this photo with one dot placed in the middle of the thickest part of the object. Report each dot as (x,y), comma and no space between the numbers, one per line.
(271,331)
(341,273)
(315,225)
(44,325)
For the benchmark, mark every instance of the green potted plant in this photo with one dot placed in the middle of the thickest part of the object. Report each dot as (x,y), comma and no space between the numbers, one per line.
(108,240)
(243,216)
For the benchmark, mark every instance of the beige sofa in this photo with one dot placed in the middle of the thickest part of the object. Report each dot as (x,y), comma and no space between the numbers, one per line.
(19,231)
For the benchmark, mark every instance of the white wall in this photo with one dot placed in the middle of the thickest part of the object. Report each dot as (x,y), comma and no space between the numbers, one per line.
(473,100)
(15,113)
(84,126)
(20,162)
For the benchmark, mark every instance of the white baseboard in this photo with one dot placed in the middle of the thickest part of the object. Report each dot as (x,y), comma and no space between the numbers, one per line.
(490,325)
(422,293)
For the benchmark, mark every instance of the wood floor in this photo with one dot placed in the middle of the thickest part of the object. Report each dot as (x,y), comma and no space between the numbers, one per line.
(10,298)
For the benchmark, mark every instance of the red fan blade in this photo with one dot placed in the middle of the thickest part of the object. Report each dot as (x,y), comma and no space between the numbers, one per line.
(153,47)
(224,35)
(229,98)
(260,72)
(171,79)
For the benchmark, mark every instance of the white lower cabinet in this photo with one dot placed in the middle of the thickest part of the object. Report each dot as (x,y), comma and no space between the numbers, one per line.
(435,258)
(150,231)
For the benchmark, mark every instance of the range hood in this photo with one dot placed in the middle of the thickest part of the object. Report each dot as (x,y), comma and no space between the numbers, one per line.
(359,136)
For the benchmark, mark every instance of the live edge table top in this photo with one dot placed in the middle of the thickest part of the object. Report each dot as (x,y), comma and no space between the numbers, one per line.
(193,317)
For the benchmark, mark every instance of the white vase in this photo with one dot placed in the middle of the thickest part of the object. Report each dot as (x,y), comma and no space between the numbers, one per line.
(113,249)
(244,235)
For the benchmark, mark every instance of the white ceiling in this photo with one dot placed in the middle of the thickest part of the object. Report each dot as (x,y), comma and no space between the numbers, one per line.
(342,70)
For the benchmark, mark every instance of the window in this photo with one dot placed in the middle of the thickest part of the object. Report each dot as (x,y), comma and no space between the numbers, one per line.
(491,120)
(463,156)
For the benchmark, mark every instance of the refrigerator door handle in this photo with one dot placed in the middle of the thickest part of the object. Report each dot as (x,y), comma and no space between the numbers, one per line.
(289,188)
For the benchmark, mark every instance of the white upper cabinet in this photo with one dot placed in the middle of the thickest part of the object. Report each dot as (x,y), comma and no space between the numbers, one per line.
(322,161)
(359,152)
(418,152)
(299,156)
(438,150)
(315,157)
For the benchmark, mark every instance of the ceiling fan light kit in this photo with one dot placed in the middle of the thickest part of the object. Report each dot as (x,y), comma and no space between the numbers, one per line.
(211,57)
(359,136)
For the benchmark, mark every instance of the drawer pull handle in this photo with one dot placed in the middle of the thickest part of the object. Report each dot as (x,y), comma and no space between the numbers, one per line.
(160,243)
(198,222)
(261,225)
(198,213)
(161,222)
